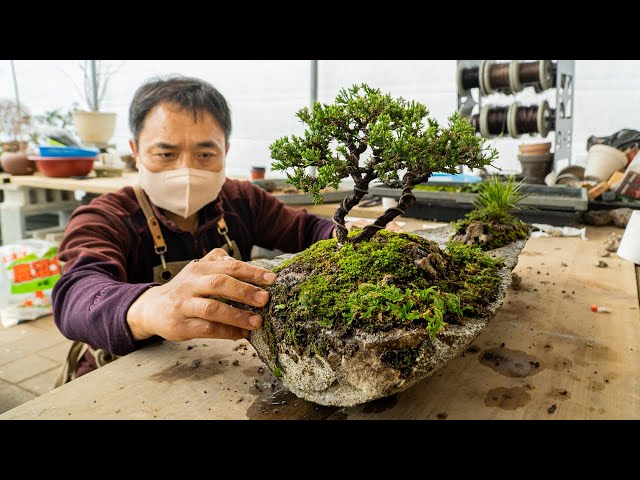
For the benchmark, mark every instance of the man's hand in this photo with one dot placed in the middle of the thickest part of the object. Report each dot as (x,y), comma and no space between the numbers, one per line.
(392,225)
(181,309)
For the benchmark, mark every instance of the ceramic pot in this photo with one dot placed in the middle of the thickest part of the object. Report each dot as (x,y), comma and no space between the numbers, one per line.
(535,167)
(17,163)
(94,127)
(257,173)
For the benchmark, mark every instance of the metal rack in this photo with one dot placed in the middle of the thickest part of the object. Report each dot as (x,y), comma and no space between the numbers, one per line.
(558,75)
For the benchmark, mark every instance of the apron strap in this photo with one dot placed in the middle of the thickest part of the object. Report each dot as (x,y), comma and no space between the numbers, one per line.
(77,350)
(158,240)
(154,226)
(232,246)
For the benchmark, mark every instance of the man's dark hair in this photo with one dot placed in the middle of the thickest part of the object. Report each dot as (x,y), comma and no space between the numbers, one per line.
(191,94)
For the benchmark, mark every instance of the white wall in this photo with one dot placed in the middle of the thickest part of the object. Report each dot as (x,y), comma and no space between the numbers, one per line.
(265,94)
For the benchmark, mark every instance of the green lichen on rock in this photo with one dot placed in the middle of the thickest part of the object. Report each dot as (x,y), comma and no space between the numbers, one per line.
(394,280)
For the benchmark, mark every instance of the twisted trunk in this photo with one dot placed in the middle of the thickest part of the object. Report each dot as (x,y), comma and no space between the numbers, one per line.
(360,189)
(407,199)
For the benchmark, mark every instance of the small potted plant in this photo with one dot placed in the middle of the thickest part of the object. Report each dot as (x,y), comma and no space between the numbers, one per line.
(94,126)
(15,124)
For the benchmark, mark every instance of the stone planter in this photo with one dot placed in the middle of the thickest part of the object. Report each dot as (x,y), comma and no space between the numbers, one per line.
(363,376)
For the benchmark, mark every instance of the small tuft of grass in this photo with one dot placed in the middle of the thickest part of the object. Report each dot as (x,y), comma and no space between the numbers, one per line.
(499,198)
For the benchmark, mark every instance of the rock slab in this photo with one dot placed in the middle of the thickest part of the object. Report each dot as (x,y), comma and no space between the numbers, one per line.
(349,380)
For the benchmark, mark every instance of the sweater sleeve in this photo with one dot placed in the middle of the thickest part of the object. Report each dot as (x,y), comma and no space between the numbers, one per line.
(92,297)
(277,225)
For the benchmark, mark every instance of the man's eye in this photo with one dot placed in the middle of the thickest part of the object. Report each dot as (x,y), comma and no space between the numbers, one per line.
(166,155)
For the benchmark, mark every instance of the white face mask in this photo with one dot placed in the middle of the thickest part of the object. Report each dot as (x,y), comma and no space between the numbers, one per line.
(183,191)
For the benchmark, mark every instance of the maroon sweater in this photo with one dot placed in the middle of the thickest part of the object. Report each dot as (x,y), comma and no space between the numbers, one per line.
(109,254)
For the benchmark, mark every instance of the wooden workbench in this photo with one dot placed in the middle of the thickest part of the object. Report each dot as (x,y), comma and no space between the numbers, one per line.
(98,185)
(544,348)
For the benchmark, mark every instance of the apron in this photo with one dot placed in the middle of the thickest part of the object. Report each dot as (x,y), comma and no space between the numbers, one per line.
(161,274)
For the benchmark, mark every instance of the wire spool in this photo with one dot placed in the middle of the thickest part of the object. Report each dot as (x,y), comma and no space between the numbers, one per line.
(544,120)
(493,121)
(468,78)
(529,120)
(514,76)
(511,120)
(546,74)
(483,77)
(494,77)
(474,120)
(538,74)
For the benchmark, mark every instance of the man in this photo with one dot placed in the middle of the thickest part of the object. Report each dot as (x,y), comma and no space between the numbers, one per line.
(131,273)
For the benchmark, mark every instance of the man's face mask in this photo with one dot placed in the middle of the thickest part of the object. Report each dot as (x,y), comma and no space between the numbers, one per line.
(183,191)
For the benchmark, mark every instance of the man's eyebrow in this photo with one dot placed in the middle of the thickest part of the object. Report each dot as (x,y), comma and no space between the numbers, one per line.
(164,145)
(208,144)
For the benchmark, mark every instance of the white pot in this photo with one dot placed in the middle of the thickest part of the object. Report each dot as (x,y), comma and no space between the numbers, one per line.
(94,127)
(603,161)
(629,248)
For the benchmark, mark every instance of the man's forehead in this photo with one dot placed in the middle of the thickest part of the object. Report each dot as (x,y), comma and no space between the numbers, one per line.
(213,143)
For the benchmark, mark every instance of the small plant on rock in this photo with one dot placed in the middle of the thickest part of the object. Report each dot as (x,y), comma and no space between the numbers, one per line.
(492,223)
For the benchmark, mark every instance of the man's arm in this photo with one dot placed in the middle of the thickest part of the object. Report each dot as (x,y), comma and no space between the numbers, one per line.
(91,298)
(94,303)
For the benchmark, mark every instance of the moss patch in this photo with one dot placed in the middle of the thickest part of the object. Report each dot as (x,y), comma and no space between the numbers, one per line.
(464,188)
(490,230)
(394,280)
(401,359)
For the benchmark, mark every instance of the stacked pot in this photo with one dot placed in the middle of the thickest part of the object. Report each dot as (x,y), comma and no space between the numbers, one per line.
(536,160)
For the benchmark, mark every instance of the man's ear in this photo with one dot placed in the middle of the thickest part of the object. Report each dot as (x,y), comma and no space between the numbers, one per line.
(133,150)
(226,151)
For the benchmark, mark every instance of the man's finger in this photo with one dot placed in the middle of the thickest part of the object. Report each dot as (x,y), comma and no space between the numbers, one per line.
(224,286)
(215,254)
(198,328)
(236,269)
(215,311)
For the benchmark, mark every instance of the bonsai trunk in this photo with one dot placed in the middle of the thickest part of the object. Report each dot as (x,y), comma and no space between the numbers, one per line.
(406,200)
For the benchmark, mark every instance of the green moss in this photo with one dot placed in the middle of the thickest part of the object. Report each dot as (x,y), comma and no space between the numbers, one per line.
(401,359)
(375,286)
(472,276)
(466,188)
(502,228)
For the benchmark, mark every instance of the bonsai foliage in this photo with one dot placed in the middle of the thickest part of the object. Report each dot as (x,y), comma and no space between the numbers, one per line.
(369,135)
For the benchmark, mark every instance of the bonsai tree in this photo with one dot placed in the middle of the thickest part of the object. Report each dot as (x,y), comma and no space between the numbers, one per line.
(368,135)
(492,223)
(372,312)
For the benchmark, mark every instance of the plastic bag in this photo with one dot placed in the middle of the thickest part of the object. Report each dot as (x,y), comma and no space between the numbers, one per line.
(30,269)
(551,231)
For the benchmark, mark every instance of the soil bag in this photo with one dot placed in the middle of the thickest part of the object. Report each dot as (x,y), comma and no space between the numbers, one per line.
(30,269)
